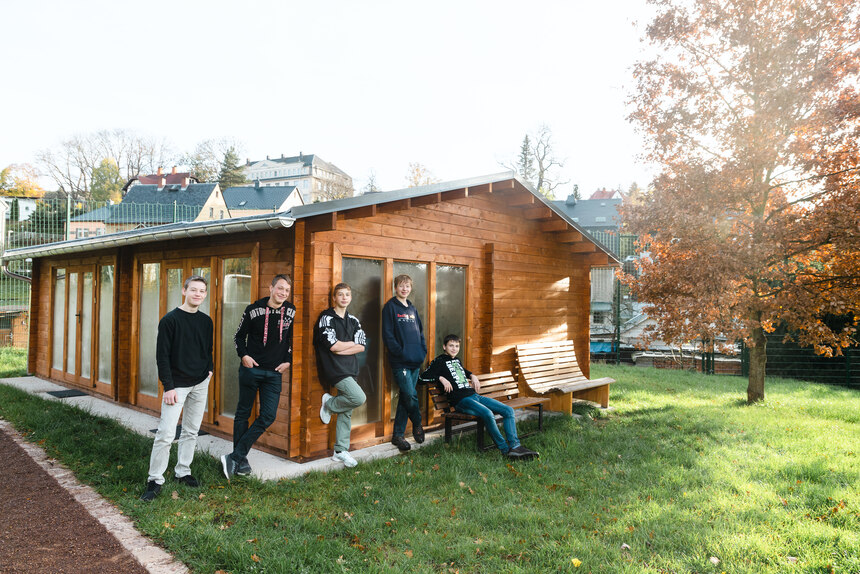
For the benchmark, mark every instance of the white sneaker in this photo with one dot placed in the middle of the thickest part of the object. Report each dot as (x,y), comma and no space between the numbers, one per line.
(345,458)
(325,414)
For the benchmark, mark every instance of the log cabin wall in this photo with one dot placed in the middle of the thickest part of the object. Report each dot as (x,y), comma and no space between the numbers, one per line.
(271,253)
(524,284)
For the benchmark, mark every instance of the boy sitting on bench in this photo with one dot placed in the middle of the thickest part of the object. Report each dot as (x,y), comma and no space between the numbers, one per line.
(461,388)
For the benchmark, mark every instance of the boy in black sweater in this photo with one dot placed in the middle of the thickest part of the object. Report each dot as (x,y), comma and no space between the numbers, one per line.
(448,372)
(264,342)
(183,354)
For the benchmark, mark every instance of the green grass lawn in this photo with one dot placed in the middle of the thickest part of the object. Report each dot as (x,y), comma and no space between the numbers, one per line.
(13,362)
(682,473)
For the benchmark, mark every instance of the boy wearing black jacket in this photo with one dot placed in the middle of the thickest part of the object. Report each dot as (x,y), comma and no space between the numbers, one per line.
(403,336)
(338,338)
(264,342)
(448,372)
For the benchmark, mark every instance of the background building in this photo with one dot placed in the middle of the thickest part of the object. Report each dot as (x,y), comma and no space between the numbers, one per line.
(315,178)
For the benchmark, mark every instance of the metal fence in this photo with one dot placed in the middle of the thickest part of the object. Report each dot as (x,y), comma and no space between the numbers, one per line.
(25,222)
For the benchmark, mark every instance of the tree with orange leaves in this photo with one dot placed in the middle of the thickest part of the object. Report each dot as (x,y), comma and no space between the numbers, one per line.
(751,110)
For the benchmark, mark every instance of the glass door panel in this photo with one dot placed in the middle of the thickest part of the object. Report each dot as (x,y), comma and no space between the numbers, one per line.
(59,327)
(235,296)
(105,325)
(150,286)
(86,317)
(174,288)
(72,324)
(364,276)
(450,304)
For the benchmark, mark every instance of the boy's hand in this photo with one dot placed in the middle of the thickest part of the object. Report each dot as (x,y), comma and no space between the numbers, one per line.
(169,397)
(446,384)
(476,383)
(249,362)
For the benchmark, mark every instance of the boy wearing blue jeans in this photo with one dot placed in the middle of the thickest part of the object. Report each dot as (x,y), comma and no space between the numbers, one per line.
(461,387)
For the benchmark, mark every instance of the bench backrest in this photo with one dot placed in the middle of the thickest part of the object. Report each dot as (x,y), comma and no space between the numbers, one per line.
(544,366)
(501,386)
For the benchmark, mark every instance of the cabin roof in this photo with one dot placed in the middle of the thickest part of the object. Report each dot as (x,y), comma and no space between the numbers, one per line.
(286,219)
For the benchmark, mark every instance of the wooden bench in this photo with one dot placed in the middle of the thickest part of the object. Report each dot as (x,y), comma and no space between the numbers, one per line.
(552,368)
(501,386)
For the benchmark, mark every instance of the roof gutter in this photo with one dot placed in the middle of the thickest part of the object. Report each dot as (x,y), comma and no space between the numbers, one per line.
(173,231)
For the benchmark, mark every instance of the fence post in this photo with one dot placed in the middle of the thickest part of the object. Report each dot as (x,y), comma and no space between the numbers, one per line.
(617,321)
(68,229)
(174,211)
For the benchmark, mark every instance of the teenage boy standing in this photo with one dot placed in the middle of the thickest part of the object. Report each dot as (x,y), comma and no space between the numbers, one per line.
(264,342)
(183,353)
(447,371)
(403,335)
(338,338)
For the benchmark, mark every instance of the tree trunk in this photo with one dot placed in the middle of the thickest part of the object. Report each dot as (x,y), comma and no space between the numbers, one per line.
(758,362)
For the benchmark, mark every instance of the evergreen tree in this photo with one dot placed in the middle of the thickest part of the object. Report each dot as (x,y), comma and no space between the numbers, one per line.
(231,171)
(525,161)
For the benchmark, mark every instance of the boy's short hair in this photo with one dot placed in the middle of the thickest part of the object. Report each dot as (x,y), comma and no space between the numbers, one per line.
(449,338)
(283,276)
(195,278)
(340,286)
(401,279)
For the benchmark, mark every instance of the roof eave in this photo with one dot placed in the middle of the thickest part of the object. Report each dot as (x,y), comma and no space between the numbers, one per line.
(183,230)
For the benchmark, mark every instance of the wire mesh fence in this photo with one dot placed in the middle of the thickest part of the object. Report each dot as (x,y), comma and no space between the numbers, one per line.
(26,222)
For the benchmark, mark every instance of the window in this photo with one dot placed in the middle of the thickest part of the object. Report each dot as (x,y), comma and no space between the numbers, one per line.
(600,219)
(222,214)
(100,231)
(81,233)
(211,212)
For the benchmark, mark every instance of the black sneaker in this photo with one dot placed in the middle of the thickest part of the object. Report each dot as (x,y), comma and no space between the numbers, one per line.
(152,490)
(188,481)
(522,453)
(228,465)
(418,434)
(243,468)
(401,443)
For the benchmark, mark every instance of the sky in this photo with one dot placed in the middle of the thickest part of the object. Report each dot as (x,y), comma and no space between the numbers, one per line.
(370,86)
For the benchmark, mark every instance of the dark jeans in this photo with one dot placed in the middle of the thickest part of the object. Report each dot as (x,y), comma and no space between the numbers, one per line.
(252,381)
(407,403)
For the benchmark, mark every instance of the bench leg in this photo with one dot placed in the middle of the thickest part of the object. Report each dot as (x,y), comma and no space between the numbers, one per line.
(480,434)
(448,430)
(540,417)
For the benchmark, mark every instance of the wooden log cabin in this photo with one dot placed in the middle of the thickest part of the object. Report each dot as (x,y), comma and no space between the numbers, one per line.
(491,260)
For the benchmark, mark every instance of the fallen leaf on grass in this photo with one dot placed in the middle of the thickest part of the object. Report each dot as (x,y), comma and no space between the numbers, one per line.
(408,553)
(625,547)
(792,559)
(174,495)
(576,562)
(255,558)
(715,560)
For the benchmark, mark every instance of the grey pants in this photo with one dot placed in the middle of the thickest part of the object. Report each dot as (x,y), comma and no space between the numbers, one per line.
(349,396)
(193,401)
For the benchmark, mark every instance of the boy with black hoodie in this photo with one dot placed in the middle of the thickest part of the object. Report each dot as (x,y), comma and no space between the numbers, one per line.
(403,336)
(264,342)
(448,372)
